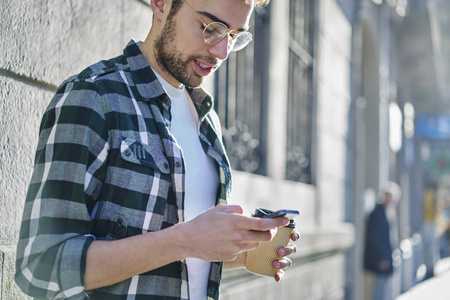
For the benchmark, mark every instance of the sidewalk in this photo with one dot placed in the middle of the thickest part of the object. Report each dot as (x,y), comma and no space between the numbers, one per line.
(436,288)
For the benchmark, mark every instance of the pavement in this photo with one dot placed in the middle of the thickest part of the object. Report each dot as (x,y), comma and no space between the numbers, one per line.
(435,288)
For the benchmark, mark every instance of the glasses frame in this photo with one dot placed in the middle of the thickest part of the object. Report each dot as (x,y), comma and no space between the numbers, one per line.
(233,34)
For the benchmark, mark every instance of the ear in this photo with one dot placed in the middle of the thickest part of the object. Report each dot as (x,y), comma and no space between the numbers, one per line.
(159,8)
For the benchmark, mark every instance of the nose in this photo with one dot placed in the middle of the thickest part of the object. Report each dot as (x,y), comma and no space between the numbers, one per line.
(222,49)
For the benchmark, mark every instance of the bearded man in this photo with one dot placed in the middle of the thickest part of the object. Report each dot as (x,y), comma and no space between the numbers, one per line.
(131,180)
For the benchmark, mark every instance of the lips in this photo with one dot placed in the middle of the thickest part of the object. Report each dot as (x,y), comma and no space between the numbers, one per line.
(205,66)
(202,68)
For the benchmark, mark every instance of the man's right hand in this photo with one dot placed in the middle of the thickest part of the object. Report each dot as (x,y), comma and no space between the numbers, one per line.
(219,234)
(223,232)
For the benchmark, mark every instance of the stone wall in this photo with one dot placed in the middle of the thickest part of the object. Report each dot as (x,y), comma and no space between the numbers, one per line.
(42,43)
(45,41)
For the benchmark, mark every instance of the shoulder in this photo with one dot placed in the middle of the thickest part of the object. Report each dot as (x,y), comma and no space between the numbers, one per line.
(97,71)
(95,81)
(96,75)
(89,77)
(377,211)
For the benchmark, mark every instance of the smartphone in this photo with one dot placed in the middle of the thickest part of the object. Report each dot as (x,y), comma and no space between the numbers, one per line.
(288,213)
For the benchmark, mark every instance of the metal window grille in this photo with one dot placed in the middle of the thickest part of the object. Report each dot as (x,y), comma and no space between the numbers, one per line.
(241,99)
(300,86)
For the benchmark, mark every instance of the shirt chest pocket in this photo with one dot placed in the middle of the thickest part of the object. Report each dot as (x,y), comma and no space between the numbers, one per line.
(138,153)
(136,191)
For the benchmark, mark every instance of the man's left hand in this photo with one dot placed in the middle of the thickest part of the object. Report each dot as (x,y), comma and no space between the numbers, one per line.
(285,262)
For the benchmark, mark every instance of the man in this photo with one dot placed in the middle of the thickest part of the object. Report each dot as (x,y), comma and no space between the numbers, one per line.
(131,179)
(378,248)
(429,241)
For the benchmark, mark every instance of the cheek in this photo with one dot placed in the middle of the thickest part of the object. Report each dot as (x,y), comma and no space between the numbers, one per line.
(192,45)
(189,40)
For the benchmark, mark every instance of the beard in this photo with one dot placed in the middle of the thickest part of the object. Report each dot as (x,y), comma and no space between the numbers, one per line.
(171,60)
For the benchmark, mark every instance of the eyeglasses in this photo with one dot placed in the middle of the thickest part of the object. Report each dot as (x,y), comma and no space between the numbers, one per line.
(216,31)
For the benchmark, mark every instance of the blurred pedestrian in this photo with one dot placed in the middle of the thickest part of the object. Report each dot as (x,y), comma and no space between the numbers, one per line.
(444,241)
(378,247)
(429,230)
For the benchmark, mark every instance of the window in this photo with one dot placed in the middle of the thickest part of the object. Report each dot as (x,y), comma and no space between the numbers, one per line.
(300,88)
(240,94)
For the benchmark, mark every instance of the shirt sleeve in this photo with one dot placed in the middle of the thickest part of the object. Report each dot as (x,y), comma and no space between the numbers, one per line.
(67,178)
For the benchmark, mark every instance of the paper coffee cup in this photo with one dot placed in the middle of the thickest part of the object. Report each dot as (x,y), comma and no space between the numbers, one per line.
(259,260)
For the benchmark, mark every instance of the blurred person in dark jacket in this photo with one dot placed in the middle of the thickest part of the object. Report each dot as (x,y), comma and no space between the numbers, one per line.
(429,230)
(378,247)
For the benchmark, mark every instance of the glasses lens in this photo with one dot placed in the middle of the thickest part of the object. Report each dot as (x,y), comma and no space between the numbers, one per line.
(240,41)
(214,32)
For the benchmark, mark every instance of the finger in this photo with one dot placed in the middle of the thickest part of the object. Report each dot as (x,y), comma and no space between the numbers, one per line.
(282,264)
(279,276)
(295,236)
(250,246)
(257,224)
(256,236)
(263,224)
(290,249)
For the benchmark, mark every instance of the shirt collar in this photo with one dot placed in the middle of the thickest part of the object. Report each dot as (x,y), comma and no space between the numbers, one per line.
(150,88)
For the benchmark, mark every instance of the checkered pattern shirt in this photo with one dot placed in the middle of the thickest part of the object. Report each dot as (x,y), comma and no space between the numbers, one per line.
(106,168)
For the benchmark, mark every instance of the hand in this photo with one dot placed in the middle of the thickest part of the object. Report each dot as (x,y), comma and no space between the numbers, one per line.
(222,233)
(282,253)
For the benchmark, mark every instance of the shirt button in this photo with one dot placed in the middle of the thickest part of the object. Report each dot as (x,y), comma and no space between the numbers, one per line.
(178,164)
(166,165)
(127,153)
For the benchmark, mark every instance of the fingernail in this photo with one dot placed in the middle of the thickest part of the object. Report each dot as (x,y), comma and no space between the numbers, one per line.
(282,252)
(277,265)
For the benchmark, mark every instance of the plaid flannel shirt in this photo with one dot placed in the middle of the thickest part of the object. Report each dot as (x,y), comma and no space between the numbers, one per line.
(107,167)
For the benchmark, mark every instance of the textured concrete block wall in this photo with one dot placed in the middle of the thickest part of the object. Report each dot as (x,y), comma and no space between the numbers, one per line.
(43,42)
(333,106)
(51,39)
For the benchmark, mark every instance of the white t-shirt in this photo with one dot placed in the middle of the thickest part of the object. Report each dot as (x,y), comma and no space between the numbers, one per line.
(201,180)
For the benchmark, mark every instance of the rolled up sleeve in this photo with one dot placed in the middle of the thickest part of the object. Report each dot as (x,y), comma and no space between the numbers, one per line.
(67,178)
